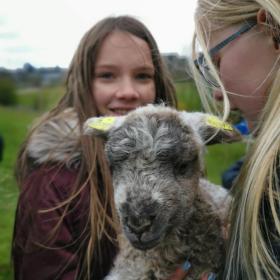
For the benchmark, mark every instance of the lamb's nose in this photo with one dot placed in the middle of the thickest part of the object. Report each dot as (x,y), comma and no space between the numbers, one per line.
(139,224)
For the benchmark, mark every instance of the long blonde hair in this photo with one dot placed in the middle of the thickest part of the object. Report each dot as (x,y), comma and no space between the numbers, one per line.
(249,254)
(93,170)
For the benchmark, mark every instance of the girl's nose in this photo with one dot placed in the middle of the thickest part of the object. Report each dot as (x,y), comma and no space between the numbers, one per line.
(127,89)
(218,95)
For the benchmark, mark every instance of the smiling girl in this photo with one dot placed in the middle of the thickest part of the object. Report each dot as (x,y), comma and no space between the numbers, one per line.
(65,226)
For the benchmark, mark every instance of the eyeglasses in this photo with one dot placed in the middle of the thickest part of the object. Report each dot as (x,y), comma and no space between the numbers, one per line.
(201,63)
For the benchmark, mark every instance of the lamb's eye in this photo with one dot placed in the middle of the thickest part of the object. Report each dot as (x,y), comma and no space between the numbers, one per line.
(122,156)
(183,167)
(115,159)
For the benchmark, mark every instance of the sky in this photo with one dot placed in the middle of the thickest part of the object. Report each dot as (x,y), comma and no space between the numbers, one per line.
(46,33)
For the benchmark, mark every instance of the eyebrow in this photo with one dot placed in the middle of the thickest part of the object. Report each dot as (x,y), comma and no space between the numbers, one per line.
(113,66)
(146,68)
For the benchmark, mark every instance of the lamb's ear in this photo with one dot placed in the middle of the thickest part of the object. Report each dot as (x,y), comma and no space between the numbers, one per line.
(211,129)
(101,126)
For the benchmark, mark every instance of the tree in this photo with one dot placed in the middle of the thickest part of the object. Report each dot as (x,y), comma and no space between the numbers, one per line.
(8,94)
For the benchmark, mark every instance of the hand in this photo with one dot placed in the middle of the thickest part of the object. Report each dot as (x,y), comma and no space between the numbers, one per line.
(185,269)
(208,276)
(181,272)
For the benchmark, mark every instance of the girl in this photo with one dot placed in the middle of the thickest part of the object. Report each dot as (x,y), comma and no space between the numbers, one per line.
(65,224)
(238,63)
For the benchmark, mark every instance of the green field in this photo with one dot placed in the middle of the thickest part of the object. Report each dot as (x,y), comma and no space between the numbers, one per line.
(14,123)
(218,157)
(13,126)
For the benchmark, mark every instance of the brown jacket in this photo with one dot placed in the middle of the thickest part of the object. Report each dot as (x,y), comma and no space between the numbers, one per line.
(38,252)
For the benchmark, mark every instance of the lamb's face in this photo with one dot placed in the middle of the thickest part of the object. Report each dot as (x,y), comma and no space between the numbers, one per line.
(155,157)
(155,163)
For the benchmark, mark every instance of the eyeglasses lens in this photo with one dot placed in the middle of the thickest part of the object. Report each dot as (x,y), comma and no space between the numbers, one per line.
(205,71)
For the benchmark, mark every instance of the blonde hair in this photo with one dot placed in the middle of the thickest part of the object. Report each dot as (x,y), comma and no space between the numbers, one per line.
(93,170)
(249,254)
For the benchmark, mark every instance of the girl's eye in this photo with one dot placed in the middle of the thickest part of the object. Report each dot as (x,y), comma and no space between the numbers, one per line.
(216,61)
(105,75)
(144,76)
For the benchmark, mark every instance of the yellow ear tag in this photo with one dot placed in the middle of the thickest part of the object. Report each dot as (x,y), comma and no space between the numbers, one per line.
(102,123)
(217,123)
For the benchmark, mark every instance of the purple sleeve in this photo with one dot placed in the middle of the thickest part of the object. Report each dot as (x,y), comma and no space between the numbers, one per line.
(39,252)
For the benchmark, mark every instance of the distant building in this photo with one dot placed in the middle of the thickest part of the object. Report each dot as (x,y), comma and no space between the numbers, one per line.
(52,75)
(30,76)
(177,65)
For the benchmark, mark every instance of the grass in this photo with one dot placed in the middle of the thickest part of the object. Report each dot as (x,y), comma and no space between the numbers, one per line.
(14,123)
(39,99)
(187,97)
(220,156)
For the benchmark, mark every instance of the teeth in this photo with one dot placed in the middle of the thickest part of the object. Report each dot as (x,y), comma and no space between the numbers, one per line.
(121,112)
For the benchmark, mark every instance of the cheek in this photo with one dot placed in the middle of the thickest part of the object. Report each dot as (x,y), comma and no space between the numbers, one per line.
(246,72)
(235,74)
(246,93)
(99,89)
(248,87)
(148,94)
(101,94)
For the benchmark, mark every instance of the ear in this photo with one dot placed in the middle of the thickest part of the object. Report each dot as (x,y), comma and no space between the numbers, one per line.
(211,129)
(261,17)
(270,26)
(101,126)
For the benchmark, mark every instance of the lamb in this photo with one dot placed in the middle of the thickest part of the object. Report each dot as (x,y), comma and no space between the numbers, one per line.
(168,212)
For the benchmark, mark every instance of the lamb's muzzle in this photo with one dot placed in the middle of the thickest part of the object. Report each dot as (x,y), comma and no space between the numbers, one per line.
(141,226)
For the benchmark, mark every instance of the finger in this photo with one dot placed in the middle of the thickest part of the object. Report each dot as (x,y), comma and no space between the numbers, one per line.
(208,276)
(181,272)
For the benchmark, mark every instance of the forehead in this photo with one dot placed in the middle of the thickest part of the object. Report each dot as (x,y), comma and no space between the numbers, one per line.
(118,45)
(154,135)
(219,35)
